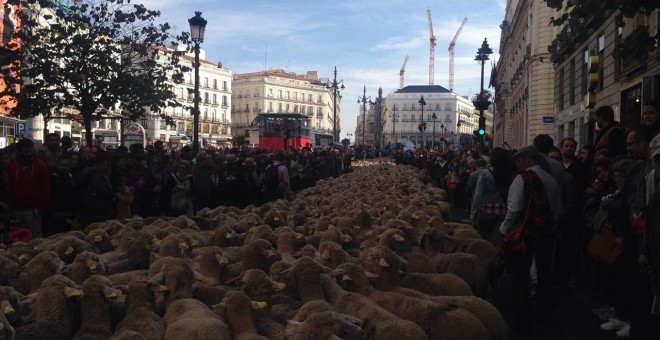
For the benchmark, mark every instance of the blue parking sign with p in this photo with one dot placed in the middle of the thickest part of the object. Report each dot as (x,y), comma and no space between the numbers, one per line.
(21,128)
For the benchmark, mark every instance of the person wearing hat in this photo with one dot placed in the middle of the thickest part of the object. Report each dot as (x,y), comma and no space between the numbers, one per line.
(253,179)
(204,181)
(531,191)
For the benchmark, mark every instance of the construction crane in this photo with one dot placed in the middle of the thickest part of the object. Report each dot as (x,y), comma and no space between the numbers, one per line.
(452,45)
(432,49)
(403,70)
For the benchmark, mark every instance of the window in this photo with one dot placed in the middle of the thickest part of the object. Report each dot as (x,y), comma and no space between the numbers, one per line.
(319,99)
(412,117)
(224,86)
(279,92)
(571,85)
(279,107)
(437,106)
(601,64)
(447,107)
(287,95)
(215,99)
(224,101)
(206,81)
(560,103)
(413,107)
(447,117)
(583,75)
(270,106)
(288,108)
(309,98)
(206,98)
(215,84)
(405,106)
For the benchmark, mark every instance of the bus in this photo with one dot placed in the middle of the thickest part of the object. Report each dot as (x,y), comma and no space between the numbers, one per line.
(278,131)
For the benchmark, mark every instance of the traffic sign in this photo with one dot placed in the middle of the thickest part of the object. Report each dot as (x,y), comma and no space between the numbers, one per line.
(548,120)
(21,128)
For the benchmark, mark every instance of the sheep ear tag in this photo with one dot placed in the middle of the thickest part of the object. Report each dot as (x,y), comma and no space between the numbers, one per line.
(346,278)
(162,288)
(269,253)
(199,276)
(371,275)
(221,259)
(98,238)
(72,292)
(7,308)
(383,263)
(398,238)
(69,250)
(259,304)
(92,266)
(111,293)
(279,285)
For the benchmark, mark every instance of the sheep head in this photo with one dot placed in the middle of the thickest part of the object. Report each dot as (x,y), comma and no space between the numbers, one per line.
(331,254)
(224,236)
(259,286)
(352,277)
(259,254)
(325,325)
(396,240)
(85,265)
(100,286)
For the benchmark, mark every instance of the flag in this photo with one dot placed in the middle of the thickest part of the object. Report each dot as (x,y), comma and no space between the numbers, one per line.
(493,77)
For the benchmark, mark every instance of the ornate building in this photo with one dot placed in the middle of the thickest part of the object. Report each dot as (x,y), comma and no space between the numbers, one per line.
(276,91)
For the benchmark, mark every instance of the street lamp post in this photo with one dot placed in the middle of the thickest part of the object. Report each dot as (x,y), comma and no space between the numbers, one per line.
(434,117)
(442,127)
(197,28)
(482,102)
(394,117)
(364,99)
(422,124)
(458,133)
(335,86)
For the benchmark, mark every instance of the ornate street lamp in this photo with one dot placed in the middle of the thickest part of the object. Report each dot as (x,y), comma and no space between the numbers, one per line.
(482,103)
(394,117)
(458,133)
(442,127)
(335,86)
(364,99)
(422,125)
(197,28)
(434,117)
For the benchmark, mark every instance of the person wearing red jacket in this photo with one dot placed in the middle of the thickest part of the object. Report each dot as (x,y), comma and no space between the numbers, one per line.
(28,187)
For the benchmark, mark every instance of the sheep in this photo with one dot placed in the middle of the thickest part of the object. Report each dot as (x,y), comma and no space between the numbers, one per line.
(437,240)
(238,313)
(212,265)
(175,281)
(324,325)
(41,267)
(224,237)
(85,265)
(6,329)
(262,231)
(175,245)
(384,262)
(286,243)
(378,323)
(12,307)
(126,278)
(56,312)
(432,317)
(9,270)
(67,247)
(95,323)
(258,254)
(331,255)
(192,320)
(100,239)
(466,266)
(140,315)
(23,252)
(386,278)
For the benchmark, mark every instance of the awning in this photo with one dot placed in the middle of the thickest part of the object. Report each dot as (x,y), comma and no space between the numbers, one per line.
(8,119)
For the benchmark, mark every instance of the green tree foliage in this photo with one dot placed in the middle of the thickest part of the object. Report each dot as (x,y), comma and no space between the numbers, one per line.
(582,8)
(99,57)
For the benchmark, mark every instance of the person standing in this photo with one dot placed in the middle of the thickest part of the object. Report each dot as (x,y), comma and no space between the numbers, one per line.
(178,190)
(51,151)
(28,187)
(62,210)
(531,193)
(610,136)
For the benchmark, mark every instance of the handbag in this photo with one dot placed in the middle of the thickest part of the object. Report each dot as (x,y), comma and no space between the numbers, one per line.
(603,246)
(513,242)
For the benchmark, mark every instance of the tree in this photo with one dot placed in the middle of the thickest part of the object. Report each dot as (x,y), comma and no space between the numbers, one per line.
(95,56)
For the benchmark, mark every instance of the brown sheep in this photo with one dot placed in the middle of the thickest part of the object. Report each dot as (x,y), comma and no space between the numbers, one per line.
(95,322)
(224,237)
(41,267)
(239,316)
(378,323)
(192,320)
(324,325)
(56,310)
(100,239)
(331,255)
(9,270)
(437,240)
(212,265)
(432,317)
(258,254)
(175,281)
(85,265)
(386,264)
(12,306)
(140,313)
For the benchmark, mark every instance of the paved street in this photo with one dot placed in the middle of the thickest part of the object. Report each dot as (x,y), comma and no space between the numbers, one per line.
(573,317)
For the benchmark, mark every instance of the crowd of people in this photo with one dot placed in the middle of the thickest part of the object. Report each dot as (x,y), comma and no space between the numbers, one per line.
(568,200)
(57,189)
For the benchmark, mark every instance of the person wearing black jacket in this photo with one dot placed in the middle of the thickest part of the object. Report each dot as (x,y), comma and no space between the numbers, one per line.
(60,213)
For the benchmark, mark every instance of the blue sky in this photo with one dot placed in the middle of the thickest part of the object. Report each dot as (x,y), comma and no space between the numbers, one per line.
(367,40)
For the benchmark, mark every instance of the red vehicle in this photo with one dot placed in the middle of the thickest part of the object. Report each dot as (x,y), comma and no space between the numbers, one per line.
(278,131)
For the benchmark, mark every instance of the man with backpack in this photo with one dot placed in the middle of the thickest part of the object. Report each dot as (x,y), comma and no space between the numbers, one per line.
(276,183)
(531,193)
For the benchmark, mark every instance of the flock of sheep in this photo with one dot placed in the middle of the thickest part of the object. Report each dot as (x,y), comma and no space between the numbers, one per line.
(364,256)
